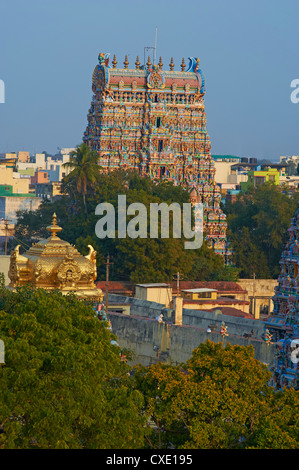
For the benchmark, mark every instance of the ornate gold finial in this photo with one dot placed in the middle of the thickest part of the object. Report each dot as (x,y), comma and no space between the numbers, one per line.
(54,228)
(137,63)
(114,62)
(148,62)
(126,63)
(171,65)
(160,63)
(183,65)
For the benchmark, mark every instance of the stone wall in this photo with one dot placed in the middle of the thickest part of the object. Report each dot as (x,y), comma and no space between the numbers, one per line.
(173,344)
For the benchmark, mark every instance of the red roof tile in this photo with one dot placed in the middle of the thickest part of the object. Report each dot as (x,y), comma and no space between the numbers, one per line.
(234,312)
(221,286)
(123,287)
(219,300)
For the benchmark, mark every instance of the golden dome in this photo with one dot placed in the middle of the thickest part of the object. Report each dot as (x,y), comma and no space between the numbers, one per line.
(55,264)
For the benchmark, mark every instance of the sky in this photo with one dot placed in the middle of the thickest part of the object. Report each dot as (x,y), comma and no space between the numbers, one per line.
(248,52)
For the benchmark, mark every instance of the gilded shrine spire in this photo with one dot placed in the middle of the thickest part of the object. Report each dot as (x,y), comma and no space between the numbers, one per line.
(56,264)
(54,228)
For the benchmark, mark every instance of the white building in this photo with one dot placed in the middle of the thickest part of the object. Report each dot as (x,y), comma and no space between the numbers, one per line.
(160,293)
(223,165)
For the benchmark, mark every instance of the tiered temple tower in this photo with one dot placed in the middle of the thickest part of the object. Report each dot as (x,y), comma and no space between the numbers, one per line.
(283,325)
(154,121)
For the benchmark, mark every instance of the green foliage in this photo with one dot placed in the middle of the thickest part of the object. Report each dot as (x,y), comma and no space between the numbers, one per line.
(84,171)
(219,399)
(258,222)
(2,280)
(209,266)
(135,260)
(63,384)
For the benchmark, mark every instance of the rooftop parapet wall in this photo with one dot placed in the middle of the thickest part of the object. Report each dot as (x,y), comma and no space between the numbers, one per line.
(172,344)
(193,318)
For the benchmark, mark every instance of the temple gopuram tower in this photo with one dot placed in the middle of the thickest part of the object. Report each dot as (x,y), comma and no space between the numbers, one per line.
(283,325)
(154,121)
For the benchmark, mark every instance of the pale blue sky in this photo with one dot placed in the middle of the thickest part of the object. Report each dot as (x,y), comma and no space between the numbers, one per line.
(248,52)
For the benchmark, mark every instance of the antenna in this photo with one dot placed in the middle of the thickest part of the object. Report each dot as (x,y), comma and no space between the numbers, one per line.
(146,49)
(155,47)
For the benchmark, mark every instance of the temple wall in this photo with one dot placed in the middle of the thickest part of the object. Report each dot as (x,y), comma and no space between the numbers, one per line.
(141,333)
(172,344)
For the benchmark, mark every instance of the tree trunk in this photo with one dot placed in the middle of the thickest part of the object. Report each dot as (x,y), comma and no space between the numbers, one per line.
(84,201)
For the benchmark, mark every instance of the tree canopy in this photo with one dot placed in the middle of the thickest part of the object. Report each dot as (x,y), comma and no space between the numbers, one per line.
(84,171)
(218,399)
(258,222)
(63,384)
(135,260)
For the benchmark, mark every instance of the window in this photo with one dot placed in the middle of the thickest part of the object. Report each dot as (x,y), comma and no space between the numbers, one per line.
(259,179)
(160,145)
(204,295)
(158,122)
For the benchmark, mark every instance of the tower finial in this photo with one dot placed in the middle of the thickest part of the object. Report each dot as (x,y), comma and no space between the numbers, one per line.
(160,63)
(54,228)
(148,62)
(126,63)
(171,65)
(137,63)
(183,65)
(114,62)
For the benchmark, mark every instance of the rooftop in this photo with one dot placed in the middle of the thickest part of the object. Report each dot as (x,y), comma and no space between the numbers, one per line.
(153,285)
(219,301)
(126,287)
(231,311)
(203,289)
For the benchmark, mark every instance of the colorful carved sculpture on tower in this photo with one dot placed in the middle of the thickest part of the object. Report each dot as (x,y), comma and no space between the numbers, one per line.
(154,121)
(284,323)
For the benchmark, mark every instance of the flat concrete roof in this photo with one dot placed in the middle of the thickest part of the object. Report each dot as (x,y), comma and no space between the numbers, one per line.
(199,290)
(153,285)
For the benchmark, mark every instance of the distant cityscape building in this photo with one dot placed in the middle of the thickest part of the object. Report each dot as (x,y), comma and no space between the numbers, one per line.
(25,181)
(223,164)
(154,121)
(257,177)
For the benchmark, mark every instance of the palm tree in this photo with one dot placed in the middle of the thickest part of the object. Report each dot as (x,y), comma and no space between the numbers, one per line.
(84,169)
